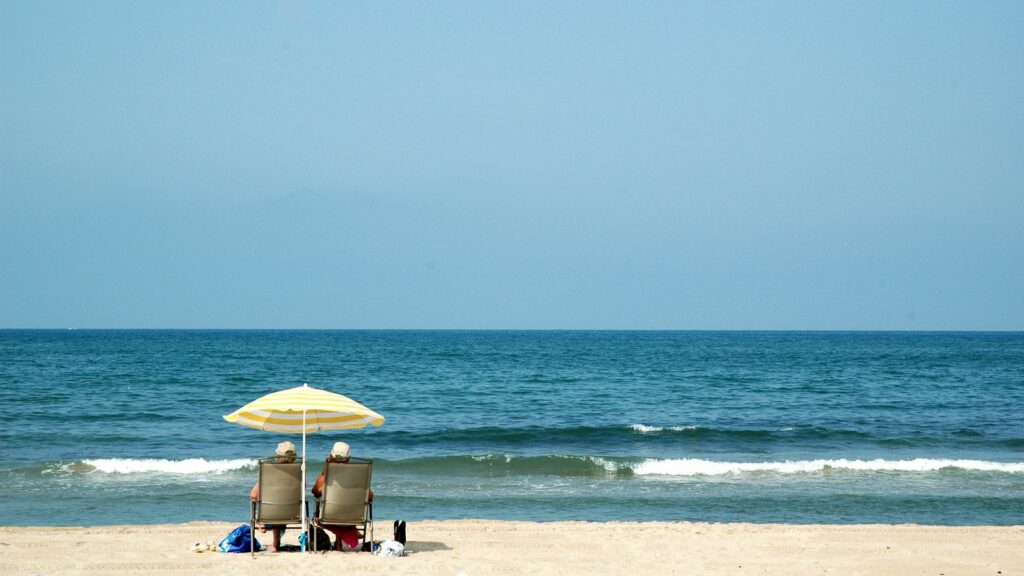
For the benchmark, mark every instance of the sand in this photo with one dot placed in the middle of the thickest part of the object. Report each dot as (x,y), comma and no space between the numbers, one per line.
(480,547)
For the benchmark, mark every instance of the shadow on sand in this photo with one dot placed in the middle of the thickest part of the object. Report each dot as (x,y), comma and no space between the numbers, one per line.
(420,546)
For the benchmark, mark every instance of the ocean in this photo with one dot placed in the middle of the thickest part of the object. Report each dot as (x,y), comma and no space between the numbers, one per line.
(125,426)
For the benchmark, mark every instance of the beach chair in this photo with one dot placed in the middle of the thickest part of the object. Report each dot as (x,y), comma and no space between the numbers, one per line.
(280,498)
(346,497)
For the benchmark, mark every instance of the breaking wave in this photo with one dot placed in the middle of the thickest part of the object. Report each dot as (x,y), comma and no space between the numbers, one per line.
(496,464)
(160,466)
(569,465)
(698,467)
(645,429)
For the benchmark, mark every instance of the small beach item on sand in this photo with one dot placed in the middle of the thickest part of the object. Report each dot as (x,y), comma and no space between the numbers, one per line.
(200,547)
(370,545)
(323,541)
(304,410)
(390,549)
(400,531)
(239,540)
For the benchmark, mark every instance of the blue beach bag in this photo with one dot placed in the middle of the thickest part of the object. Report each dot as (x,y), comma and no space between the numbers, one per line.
(238,540)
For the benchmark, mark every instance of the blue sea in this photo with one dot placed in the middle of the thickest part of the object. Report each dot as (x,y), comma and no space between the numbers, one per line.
(125,426)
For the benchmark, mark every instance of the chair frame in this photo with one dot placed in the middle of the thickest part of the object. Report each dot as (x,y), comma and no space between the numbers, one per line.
(366,522)
(255,505)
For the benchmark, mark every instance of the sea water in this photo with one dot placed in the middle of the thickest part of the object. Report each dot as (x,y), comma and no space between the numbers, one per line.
(103,427)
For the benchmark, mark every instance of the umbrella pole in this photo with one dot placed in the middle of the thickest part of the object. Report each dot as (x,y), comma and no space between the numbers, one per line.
(305,526)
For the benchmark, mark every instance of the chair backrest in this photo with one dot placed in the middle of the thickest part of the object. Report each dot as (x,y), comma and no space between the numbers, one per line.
(280,500)
(346,492)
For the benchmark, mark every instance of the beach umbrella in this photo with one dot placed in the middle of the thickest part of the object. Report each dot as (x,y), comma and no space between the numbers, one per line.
(304,410)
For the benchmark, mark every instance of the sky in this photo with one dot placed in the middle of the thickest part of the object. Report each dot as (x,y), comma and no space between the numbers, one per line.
(512,165)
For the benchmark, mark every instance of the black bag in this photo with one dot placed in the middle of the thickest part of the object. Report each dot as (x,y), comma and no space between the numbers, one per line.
(400,532)
(323,541)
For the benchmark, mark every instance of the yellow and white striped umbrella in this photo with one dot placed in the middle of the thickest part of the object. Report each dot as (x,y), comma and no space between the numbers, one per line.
(304,410)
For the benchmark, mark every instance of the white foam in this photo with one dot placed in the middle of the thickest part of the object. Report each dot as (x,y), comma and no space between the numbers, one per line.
(153,465)
(608,465)
(645,429)
(492,457)
(698,467)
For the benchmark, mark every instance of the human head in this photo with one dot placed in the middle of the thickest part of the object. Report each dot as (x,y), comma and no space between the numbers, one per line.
(285,452)
(340,452)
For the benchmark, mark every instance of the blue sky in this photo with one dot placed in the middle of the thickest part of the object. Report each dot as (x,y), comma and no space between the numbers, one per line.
(706,165)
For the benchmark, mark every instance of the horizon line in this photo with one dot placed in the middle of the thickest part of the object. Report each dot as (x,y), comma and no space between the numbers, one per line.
(253,329)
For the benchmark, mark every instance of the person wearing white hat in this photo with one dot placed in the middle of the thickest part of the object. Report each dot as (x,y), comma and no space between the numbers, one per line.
(285,454)
(341,453)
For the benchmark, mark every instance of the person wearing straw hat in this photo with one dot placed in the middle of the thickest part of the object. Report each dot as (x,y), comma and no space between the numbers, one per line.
(340,453)
(285,454)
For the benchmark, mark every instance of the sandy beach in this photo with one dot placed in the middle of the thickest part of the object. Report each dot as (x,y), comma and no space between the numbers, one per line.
(480,547)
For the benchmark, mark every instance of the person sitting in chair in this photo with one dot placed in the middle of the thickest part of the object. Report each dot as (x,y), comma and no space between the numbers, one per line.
(347,534)
(285,454)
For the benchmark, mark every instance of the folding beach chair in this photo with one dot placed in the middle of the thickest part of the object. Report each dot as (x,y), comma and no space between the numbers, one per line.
(346,497)
(280,498)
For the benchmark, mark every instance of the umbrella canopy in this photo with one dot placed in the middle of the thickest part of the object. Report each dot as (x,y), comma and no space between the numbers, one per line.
(304,410)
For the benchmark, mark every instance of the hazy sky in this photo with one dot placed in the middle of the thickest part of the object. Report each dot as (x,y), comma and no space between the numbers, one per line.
(706,165)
